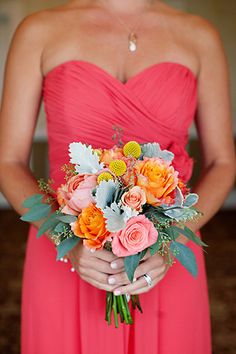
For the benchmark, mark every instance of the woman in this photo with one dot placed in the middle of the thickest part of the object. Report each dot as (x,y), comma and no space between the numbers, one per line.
(148,68)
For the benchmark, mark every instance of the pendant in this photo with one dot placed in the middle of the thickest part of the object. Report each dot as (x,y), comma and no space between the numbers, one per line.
(132,42)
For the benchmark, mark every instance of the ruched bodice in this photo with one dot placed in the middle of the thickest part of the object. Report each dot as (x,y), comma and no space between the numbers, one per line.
(83,102)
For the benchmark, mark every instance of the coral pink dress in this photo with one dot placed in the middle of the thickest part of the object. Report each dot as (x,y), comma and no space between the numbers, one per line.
(61,313)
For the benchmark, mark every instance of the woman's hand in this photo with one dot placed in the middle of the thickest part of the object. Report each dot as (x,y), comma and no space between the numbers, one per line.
(95,267)
(155,266)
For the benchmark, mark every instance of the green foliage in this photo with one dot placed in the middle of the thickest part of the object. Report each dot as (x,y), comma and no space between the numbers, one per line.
(156,216)
(132,262)
(190,235)
(60,228)
(66,245)
(171,232)
(156,246)
(67,219)
(33,200)
(185,256)
(46,186)
(37,212)
(48,225)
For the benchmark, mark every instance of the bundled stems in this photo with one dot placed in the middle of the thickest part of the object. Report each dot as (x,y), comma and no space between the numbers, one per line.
(119,307)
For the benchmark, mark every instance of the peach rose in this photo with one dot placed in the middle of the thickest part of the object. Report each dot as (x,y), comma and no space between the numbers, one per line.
(158,179)
(111,154)
(138,234)
(134,198)
(91,226)
(76,193)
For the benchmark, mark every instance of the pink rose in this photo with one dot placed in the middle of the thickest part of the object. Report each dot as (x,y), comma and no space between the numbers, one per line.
(138,234)
(77,193)
(134,198)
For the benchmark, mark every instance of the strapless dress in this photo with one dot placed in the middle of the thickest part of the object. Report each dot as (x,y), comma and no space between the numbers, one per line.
(61,313)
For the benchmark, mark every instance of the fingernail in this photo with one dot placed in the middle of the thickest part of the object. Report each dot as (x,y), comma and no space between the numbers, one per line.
(111,280)
(114,265)
(117,292)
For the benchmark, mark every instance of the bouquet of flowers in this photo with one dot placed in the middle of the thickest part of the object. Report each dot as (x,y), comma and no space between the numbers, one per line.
(128,199)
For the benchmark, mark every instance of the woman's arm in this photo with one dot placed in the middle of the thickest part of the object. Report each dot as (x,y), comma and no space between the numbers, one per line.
(19,111)
(214,126)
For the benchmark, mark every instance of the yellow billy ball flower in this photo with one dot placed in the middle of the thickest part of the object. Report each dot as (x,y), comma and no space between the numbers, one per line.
(104,176)
(118,167)
(132,148)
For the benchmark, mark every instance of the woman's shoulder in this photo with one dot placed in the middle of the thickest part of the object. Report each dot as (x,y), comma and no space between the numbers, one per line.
(188,24)
(38,25)
(202,32)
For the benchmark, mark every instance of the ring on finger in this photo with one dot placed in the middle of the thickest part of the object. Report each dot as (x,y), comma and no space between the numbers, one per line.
(148,280)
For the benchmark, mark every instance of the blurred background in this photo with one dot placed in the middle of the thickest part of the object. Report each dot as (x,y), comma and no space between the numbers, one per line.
(219,234)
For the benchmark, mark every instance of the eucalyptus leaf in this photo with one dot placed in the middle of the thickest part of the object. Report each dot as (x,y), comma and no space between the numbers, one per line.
(32,200)
(190,235)
(172,232)
(68,219)
(142,253)
(156,246)
(49,224)
(131,263)
(60,227)
(156,212)
(185,256)
(65,246)
(37,212)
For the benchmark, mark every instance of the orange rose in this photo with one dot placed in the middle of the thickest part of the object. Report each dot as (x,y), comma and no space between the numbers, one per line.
(158,179)
(111,154)
(91,226)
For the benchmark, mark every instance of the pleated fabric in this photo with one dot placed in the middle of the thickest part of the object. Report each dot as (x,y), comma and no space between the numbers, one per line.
(61,313)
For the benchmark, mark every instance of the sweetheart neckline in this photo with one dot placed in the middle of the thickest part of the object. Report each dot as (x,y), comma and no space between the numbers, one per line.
(105,72)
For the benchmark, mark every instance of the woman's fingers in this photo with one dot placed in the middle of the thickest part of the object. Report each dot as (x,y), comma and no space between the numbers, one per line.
(100,265)
(104,254)
(133,287)
(155,262)
(145,289)
(97,284)
(154,266)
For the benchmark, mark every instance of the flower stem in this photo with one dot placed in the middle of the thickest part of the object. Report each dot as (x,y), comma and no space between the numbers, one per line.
(109,298)
(129,317)
(120,309)
(123,307)
(115,311)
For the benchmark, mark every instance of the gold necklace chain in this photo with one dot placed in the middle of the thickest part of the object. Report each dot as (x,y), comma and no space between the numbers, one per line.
(132,35)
